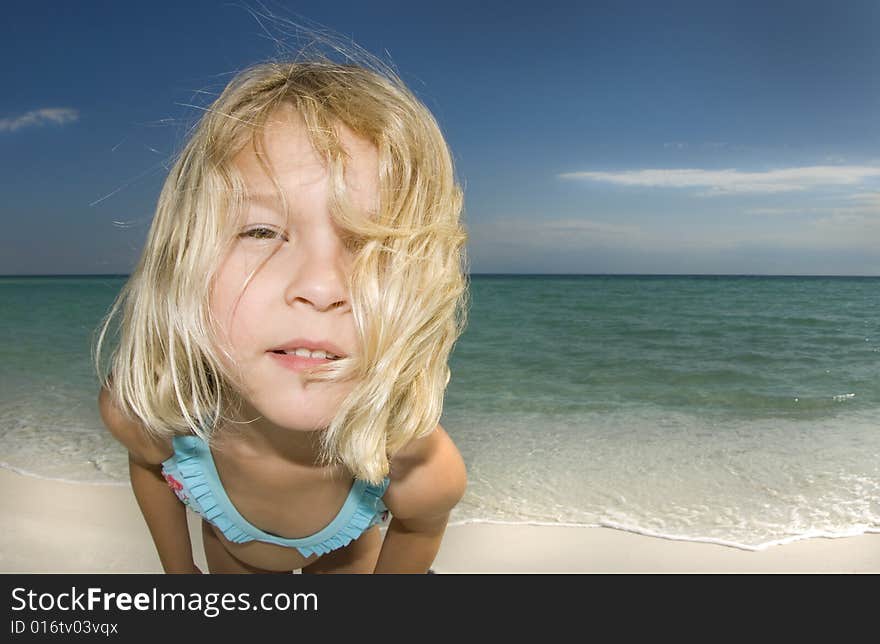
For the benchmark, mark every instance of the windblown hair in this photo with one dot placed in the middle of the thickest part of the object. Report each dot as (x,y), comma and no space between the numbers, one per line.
(408,286)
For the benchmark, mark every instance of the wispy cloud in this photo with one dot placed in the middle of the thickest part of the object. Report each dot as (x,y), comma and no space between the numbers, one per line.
(57,115)
(508,235)
(773,212)
(839,231)
(731,181)
(867,198)
(582,227)
(561,230)
(703,145)
(865,210)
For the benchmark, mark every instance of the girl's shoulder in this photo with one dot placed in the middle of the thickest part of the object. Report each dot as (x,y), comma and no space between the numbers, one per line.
(428,477)
(140,443)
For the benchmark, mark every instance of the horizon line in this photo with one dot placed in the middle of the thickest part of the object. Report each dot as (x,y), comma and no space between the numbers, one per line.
(36,275)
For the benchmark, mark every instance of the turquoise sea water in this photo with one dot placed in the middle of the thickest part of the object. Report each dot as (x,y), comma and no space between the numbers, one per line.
(737,410)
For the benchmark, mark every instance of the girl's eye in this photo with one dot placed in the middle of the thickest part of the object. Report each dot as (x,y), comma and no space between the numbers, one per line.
(263,232)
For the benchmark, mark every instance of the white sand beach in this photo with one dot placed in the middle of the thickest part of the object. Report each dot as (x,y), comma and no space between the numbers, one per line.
(57,527)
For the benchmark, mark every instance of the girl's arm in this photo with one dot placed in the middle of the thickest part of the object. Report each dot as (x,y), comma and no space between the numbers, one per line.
(164,514)
(428,478)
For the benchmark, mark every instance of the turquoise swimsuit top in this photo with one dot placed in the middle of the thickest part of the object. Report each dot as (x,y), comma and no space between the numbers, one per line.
(192,474)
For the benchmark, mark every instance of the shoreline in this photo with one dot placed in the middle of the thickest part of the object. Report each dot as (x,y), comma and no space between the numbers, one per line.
(524,523)
(63,527)
(644,533)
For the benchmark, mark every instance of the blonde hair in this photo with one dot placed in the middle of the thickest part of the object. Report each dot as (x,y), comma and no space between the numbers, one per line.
(408,285)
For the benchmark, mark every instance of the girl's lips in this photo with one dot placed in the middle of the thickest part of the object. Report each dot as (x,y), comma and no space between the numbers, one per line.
(312,345)
(295,362)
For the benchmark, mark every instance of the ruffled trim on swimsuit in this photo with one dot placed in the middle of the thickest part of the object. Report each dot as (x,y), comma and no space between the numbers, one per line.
(362,509)
(191,468)
(366,514)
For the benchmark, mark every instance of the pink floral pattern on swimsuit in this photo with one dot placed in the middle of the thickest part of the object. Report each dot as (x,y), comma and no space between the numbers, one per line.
(176,486)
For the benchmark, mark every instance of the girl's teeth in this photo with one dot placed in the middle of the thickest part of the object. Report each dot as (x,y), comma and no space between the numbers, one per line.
(318,355)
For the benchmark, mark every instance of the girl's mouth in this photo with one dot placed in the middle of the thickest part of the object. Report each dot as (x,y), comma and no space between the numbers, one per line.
(305,353)
(297,362)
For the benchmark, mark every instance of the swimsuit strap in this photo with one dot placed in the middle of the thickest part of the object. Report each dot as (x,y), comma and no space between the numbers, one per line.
(195,465)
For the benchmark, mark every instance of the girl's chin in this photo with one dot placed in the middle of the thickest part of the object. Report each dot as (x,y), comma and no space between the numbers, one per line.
(298,410)
(297,422)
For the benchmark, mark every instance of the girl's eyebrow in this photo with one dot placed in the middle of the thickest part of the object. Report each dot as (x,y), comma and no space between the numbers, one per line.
(268,200)
(262,196)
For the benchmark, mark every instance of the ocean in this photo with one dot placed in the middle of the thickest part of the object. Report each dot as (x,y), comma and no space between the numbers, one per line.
(734,410)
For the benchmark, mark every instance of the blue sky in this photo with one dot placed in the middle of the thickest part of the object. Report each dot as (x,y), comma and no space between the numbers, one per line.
(591,137)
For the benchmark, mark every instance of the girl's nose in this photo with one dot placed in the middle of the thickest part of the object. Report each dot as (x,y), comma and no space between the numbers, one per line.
(319,277)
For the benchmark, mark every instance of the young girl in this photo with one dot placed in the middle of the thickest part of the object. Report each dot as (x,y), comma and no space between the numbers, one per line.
(284,339)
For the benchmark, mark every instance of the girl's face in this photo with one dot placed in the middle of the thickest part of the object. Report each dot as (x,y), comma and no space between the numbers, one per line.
(298,299)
